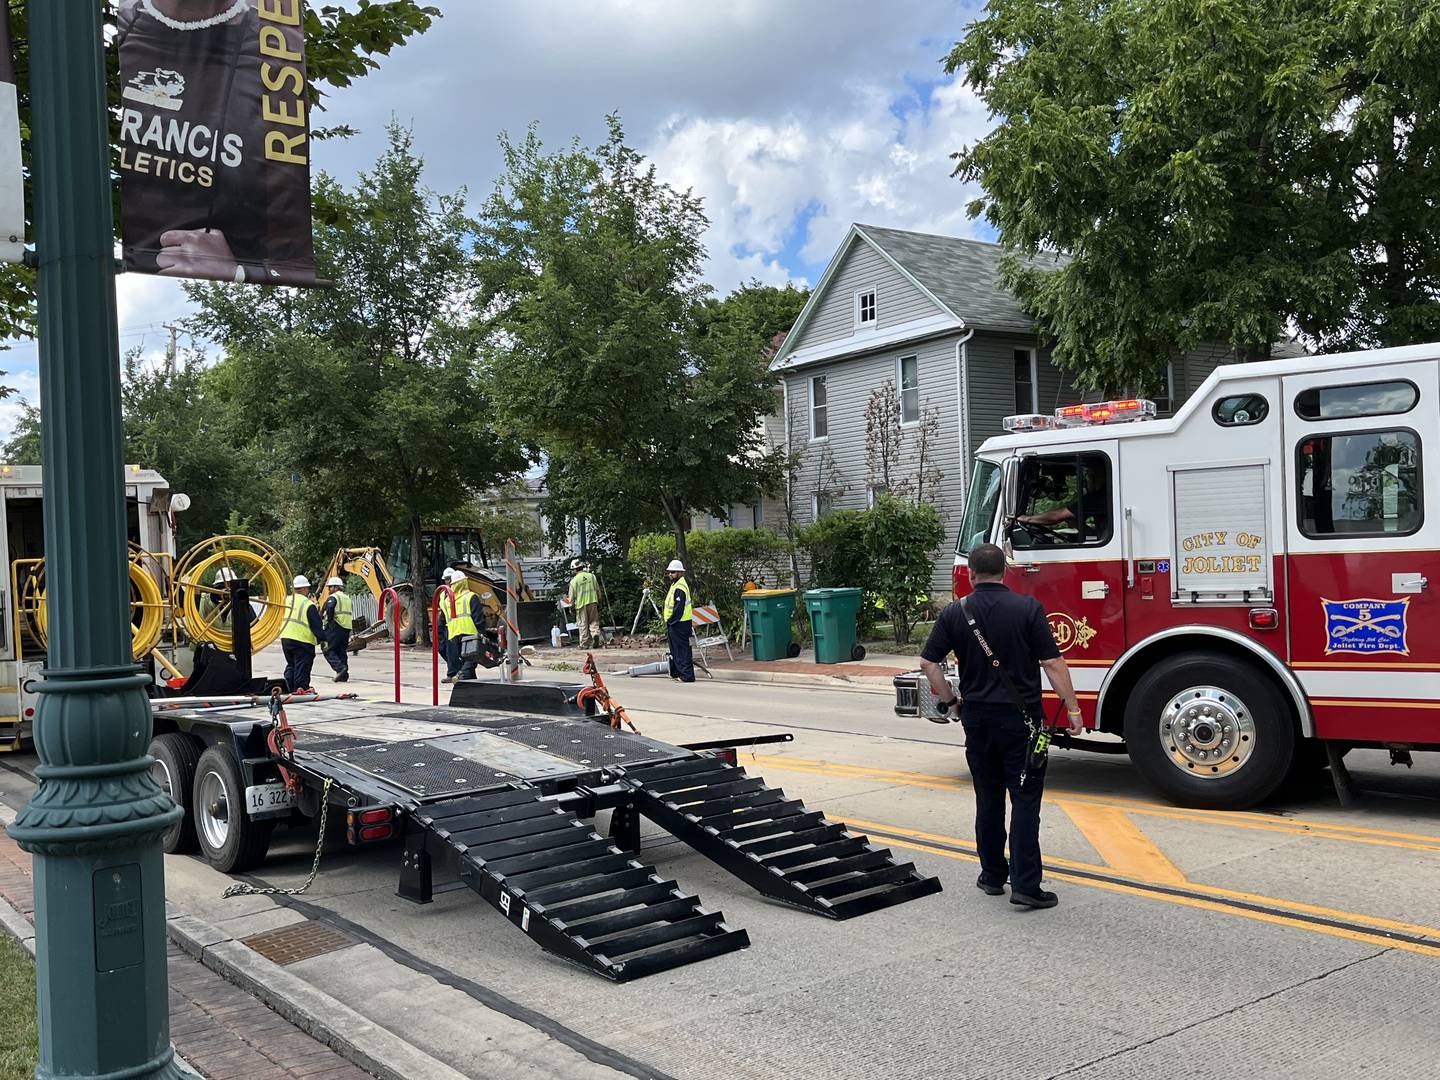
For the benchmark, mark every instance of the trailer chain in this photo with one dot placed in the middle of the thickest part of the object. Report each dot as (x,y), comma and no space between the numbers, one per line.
(242,888)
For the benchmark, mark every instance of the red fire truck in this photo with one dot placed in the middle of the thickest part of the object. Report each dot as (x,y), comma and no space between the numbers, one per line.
(1243,589)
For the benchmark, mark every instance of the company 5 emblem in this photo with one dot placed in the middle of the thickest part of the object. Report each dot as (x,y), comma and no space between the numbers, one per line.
(1366,626)
(1070,632)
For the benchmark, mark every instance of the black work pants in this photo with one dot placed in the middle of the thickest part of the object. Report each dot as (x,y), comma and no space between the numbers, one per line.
(682,660)
(337,649)
(996,747)
(299,659)
(459,665)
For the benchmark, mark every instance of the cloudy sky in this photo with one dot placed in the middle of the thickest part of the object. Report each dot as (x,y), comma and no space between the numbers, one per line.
(792,118)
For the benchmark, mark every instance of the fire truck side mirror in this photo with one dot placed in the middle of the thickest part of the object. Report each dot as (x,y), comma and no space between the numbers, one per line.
(1009,488)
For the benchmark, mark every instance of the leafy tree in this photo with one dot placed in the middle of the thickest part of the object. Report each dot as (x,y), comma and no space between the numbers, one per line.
(646,400)
(342,43)
(174,423)
(373,394)
(23,446)
(1213,171)
(505,513)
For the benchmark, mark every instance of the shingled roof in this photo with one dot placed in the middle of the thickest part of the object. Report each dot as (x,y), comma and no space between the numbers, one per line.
(962,274)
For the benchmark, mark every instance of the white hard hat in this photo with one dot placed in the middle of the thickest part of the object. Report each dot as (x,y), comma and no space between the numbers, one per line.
(300,582)
(451,574)
(575,564)
(335,583)
(224,574)
(676,564)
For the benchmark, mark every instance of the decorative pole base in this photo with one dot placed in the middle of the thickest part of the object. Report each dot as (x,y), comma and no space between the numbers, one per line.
(94,828)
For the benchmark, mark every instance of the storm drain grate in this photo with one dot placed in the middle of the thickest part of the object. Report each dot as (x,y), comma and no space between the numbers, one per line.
(299,941)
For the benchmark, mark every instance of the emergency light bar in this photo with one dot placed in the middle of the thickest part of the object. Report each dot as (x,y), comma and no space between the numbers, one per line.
(1105,412)
(1028,422)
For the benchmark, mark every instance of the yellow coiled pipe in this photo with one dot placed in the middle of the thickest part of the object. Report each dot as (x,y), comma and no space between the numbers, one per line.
(201,598)
(147,604)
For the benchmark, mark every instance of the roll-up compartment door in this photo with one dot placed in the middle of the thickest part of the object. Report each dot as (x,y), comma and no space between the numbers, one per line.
(1222,534)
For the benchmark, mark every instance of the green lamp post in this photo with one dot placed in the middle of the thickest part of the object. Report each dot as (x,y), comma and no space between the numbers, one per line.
(94,824)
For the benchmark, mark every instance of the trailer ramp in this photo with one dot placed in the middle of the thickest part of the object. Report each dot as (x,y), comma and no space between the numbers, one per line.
(772,843)
(572,891)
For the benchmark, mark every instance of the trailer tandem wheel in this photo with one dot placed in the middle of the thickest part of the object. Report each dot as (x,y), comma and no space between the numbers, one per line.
(176,756)
(230,839)
(1209,731)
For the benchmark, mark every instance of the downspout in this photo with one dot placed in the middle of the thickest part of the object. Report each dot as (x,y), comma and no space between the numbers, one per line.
(789,483)
(962,389)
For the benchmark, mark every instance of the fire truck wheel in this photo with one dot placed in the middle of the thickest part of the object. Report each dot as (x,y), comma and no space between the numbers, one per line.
(1209,731)
(230,839)
(174,770)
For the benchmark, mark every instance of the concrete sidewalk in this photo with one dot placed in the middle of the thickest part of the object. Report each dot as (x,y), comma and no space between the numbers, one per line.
(221,1031)
(876,670)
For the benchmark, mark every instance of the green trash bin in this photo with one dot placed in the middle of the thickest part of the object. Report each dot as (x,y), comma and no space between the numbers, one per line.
(832,615)
(768,612)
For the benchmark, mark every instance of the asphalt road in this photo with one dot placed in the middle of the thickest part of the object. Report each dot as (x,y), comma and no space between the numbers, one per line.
(1299,940)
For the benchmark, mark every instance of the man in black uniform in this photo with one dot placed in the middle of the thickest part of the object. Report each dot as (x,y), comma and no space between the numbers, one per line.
(999,736)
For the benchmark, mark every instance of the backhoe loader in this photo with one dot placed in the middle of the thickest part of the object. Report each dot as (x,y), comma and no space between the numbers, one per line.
(456,547)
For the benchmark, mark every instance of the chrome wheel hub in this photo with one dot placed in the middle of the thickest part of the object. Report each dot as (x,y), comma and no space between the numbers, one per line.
(1207,732)
(213,811)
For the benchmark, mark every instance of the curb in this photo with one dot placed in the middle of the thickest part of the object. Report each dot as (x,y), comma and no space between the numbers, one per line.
(358,1040)
(868,683)
(16,926)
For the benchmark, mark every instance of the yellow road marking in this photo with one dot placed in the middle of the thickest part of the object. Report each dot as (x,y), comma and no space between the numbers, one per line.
(917,842)
(1234,818)
(1119,841)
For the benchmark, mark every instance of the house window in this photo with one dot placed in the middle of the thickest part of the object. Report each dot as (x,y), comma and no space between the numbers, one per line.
(755,515)
(1164,396)
(824,503)
(1027,388)
(909,390)
(865,309)
(819,416)
(873,493)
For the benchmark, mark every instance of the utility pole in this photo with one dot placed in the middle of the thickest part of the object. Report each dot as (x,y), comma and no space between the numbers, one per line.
(94,824)
(172,350)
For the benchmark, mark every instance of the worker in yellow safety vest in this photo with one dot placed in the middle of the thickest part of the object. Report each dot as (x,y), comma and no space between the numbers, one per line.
(678,612)
(583,597)
(298,636)
(464,615)
(338,617)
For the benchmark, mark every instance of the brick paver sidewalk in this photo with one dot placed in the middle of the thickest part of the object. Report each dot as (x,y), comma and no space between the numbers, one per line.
(218,1028)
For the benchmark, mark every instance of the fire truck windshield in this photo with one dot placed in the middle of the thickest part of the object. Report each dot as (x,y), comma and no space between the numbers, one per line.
(980,507)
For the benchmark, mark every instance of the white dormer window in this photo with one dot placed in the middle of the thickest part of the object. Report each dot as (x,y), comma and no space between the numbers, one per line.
(865,309)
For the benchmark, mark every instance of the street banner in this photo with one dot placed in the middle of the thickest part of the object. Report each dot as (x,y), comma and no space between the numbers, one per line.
(214,152)
(12,180)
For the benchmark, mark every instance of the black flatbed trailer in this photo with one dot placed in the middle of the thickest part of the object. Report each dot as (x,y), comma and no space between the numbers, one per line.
(497,792)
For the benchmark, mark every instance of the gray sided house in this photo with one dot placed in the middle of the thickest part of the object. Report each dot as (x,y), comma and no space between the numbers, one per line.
(929,314)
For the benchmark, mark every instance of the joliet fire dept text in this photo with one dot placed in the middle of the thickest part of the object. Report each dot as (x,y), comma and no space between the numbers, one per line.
(1245,587)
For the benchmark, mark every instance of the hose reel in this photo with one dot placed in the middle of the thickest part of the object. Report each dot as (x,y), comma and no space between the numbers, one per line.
(148,605)
(200,595)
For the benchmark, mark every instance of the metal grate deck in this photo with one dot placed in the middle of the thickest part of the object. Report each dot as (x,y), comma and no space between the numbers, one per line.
(591,745)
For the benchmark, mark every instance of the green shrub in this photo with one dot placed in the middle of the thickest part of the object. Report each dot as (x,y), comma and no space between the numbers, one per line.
(721,562)
(839,555)
(886,551)
(902,539)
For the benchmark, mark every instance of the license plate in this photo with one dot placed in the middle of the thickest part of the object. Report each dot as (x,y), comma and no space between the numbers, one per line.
(268,798)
